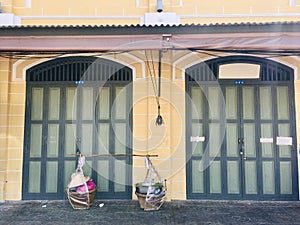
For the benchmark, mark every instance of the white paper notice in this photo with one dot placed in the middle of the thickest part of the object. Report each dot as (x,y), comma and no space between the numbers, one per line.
(266,140)
(197,139)
(284,141)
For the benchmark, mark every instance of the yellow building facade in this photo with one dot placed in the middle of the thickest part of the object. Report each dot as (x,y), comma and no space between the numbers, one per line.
(229,95)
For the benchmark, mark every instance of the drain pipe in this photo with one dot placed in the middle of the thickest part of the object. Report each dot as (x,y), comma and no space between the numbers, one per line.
(159,6)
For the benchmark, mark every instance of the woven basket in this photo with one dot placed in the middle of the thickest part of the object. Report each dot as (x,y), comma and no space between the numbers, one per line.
(81,200)
(155,203)
(151,192)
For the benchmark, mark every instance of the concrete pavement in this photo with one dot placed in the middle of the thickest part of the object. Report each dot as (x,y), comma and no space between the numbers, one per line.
(129,212)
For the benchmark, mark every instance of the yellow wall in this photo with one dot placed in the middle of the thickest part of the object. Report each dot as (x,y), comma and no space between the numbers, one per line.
(167,141)
(122,12)
(297,102)
(4,66)
(12,103)
(171,149)
(297,99)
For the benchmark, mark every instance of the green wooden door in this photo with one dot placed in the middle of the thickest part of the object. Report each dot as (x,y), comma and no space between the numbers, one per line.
(240,144)
(239,156)
(205,123)
(64,116)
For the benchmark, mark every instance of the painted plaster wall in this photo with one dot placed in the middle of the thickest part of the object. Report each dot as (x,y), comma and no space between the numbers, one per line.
(12,103)
(297,100)
(93,12)
(3,124)
(167,141)
(171,149)
(297,105)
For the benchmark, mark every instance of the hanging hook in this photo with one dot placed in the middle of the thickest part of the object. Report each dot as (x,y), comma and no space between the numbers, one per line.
(159,119)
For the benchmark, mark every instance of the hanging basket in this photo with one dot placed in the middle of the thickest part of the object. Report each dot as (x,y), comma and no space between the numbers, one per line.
(151,193)
(154,197)
(142,187)
(81,200)
(81,190)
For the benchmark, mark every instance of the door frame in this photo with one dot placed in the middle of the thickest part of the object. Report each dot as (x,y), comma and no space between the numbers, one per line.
(285,77)
(66,72)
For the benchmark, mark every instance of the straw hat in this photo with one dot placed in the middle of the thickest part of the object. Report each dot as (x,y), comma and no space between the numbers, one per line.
(78,179)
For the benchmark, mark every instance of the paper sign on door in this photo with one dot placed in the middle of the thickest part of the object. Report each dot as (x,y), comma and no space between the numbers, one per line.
(197,139)
(266,140)
(284,141)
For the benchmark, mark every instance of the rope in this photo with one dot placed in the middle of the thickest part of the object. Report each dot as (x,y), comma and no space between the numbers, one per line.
(81,162)
(153,80)
(152,200)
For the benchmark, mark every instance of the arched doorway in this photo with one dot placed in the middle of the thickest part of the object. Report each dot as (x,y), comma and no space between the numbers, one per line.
(246,146)
(77,104)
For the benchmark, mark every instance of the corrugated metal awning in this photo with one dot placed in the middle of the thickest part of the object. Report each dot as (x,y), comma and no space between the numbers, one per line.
(268,36)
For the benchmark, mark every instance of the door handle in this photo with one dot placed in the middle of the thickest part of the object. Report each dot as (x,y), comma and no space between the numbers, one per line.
(241,141)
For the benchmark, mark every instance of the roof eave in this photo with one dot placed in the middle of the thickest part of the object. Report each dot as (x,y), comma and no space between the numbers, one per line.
(147,30)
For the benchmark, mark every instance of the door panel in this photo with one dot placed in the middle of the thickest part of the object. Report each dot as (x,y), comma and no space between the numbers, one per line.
(197,103)
(285,178)
(267,149)
(62,120)
(250,177)
(120,103)
(70,139)
(103,181)
(54,103)
(51,177)
(104,104)
(283,103)
(53,140)
(198,177)
(69,166)
(249,140)
(265,102)
(34,177)
(215,137)
(215,177)
(87,103)
(37,103)
(71,104)
(233,177)
(214,97)
(231,103)
(284,131)
(268,175)
(248,103)
(246,167)
(36,140)
(86,139)
(103,138)
(232,140)
(197,130)
(112,135)
(120,176)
